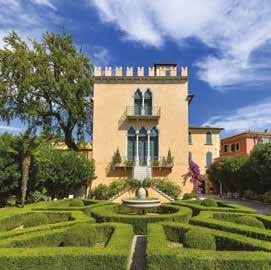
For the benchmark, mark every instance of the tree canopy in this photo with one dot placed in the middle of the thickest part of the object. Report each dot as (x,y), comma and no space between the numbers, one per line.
(47,85)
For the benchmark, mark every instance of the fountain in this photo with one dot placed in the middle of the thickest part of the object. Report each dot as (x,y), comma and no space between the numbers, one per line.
(141,202)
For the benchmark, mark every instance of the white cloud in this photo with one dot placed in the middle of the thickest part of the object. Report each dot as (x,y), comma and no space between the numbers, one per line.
(100,56)
(25,19)
(47,3)
(254,117)
(235,29)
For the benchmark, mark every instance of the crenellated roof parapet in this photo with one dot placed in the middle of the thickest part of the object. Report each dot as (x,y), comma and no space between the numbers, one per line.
(141,73)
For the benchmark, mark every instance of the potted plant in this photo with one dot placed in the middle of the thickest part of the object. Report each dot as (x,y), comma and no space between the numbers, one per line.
(116,159)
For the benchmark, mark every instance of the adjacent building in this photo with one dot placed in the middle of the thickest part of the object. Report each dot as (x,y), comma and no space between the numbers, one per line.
(141,125)
(243,143)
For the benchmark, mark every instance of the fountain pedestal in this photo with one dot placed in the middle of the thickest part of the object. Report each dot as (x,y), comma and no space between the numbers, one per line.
(141,201)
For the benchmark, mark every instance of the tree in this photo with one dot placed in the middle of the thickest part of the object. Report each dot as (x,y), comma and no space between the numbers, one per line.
(260,163)
(230,172)
(61,172)
(26,146)
(47,85)
(10,173)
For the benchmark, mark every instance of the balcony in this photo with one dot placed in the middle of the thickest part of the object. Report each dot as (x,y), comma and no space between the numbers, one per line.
(163,163)
(144,113)
(159,163)
(123,163)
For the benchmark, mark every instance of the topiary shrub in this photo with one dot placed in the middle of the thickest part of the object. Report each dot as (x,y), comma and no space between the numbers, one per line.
(35,220)
(250,221)
(76,203)
(194,238)
(80,235)
(209,203)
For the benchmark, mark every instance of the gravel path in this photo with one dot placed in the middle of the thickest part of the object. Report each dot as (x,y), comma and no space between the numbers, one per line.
(138,253)
(259,207)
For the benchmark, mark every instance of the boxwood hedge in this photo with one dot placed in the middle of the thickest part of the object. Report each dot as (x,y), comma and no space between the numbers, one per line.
(222,207)
(67,205)
(161,256)
(225,222)
(24,218)
(76,217)
(139,222)
(39,251)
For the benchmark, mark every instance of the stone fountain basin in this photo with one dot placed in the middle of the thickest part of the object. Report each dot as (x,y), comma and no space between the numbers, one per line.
(141,203)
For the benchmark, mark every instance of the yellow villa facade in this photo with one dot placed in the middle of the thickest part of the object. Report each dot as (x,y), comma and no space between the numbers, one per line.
(143,115)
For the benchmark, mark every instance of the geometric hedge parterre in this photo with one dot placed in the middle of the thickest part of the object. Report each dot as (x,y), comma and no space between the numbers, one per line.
(33,238)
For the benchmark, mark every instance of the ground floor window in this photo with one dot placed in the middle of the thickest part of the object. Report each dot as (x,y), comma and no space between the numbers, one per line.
(143,145)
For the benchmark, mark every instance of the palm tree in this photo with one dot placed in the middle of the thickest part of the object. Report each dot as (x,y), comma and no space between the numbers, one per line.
(26,146)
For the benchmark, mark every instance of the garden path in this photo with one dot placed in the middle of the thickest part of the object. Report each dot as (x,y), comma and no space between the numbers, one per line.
(260,208)
(138,259)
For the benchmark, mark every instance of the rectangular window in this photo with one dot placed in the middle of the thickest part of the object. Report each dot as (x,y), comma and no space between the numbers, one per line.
(209,137)
(189,156)
(263,140)
(168,72)
(226,148)
(233,147)
(237,146)
(209,159)
(190,138)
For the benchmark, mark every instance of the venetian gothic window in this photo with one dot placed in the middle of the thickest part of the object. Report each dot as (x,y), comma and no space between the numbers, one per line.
(131,144)
(138,102)
(148,102)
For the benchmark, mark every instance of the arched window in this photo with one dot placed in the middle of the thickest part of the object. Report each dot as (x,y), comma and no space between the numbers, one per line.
(189,156)
(209,137)
(138,102)
(143,146)
(189,138)
(154,144)
(209,158)
(148,102)
(131,144)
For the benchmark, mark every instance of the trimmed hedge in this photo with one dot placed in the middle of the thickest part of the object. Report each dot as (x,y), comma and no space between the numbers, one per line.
(222,207)
(250,221)
(209,203)
(80,235)
(160,256)
(139,222)
(65,205)
(213,220)
(76,203)
(33,219)
(114,256)
(198,239)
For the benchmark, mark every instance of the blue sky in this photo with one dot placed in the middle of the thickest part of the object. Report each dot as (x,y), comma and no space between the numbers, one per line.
(225,43)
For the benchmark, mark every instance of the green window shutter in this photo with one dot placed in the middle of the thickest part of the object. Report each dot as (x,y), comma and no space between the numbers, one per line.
(190,138)
(208,138)
(189,156)
(209,159)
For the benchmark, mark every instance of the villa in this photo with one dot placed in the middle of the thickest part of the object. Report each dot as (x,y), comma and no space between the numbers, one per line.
(142,118)
(243,143)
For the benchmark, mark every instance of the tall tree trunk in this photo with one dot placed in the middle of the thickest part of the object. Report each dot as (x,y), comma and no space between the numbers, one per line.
(69,141)
(25,175)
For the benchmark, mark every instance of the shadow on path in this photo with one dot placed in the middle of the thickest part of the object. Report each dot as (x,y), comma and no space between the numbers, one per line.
(138,256)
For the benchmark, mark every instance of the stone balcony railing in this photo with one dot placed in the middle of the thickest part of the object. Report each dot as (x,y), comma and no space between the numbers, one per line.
(133,112)
(158,162)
